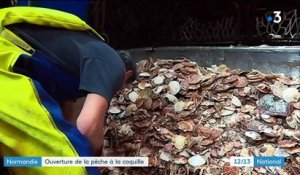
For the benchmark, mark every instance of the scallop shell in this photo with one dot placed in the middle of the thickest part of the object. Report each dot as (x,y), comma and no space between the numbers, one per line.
(270,132)
(179,141)
(147,103)
(145,74)
(179,106)
(145,152)
(292,122)
(196,161)
(174,87)
(206,142)
(268,118)
(121,115)
(159,80)
(133,96)
(195,78)
(236,101)
(225,112)
(180,160)
(171,98)
(277,89)
(294,150)
(185,126)
(231,120)
(265,116)
(169,73)
(241,82)
(291,95)
(125,130)
(280,153)
(114,110)
(267,150)
(165,156)
(296,135)
(297,105)
(212,121)
(288,132)
(158,89)
(245,152)
(184,153)
(144,85)
(253,135)
(130,109)
(287,143)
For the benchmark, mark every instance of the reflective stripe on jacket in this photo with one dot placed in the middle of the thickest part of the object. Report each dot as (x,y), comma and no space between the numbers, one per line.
(31,122)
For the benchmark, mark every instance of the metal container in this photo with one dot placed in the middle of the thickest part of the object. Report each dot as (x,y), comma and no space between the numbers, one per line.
(267,59)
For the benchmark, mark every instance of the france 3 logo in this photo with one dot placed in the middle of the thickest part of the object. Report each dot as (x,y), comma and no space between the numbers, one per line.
(275,17)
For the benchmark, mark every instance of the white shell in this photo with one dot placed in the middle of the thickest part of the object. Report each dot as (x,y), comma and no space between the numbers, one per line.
(133,96)
(125,130)
(163,70)
(165,156)
(179,106)
(265,116)
(292,122)
(144,74)
(158,89)
(171,98)
(196,161)
(277,89)
(267,130)
(225,112)
(174,87)
(158,80)
(114,110)
(245,152)
(236,101)
(122,115)
(280,153)
(169,73)
(184,153)
(269,150)
(288,132)
(179,141)
(253,135)
(291,95)
(212,121)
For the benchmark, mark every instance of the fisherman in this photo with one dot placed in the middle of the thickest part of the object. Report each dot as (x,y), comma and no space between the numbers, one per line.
(49,57)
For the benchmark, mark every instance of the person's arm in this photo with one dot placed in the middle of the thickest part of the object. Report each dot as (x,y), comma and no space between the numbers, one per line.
(91,119)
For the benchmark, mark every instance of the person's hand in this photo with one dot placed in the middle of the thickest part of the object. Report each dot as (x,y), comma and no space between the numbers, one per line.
(91,119)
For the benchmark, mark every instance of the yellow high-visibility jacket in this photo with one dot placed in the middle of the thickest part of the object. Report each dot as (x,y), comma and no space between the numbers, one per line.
(31,123)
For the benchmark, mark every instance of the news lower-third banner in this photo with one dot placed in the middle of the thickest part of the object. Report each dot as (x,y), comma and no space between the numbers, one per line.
(259,161)
(75,161)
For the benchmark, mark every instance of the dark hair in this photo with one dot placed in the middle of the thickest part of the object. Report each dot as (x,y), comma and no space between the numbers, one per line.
(7,3)
(130,64)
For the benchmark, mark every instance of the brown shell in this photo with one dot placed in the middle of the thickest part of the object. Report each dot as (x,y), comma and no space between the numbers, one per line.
(240,82)
(230,170)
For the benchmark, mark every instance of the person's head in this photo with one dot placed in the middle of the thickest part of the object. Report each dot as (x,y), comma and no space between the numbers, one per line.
(130,65)
(7,3)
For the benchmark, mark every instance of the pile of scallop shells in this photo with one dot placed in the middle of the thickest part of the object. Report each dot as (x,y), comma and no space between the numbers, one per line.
(190,120)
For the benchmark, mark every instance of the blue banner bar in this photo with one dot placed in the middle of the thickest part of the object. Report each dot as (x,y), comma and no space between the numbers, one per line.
(269,161)
(22,161)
